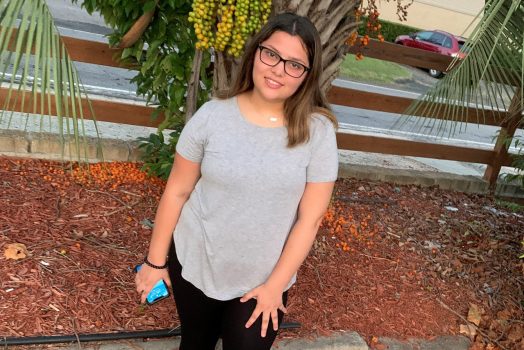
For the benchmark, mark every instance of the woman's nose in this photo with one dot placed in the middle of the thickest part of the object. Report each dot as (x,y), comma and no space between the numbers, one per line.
(278,68)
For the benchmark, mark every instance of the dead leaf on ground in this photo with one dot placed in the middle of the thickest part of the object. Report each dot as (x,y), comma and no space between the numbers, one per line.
(16,251)
(474,314)
(468,330)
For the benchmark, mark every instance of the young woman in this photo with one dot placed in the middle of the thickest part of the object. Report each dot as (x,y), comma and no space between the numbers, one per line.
(253,175)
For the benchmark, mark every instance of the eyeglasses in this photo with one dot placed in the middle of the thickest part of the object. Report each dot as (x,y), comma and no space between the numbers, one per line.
(271,58)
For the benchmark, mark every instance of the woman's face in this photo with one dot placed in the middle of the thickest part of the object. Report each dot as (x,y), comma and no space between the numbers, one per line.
(273,84)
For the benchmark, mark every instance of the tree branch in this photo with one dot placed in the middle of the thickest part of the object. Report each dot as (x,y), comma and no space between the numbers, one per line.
(334,20)
(304,7)
(334,46)
(330,73)
(136,31)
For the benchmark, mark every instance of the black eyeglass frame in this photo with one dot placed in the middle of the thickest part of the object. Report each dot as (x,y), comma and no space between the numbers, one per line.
(280,59)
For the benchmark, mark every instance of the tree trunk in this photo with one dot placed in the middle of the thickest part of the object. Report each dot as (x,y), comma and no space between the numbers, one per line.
(193,86)
(224,70)
(335,21)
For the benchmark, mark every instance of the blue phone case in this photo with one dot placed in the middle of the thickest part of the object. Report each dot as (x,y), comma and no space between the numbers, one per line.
(158,292)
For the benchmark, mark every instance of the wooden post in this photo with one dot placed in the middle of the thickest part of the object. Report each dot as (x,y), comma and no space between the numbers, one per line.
(507,130)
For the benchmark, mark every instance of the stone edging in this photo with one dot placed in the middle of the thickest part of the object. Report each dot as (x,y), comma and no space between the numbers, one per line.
(49,146)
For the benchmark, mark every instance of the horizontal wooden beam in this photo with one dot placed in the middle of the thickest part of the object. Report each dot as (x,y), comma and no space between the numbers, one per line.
(394,104)
(402,54)
(86,51)
(93,52)
(376,144)
(125,113)
(107,111)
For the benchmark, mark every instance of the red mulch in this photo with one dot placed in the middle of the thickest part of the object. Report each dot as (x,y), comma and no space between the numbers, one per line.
(388,261)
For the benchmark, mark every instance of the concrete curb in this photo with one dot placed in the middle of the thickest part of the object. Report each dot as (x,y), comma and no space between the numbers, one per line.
(439,343)
(337,341)
(446,181)
(50,146)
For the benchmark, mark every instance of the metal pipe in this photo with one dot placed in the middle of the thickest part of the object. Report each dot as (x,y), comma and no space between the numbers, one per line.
(53,339)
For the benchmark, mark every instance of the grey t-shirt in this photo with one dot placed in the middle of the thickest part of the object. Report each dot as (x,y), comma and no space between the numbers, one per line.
(232,230)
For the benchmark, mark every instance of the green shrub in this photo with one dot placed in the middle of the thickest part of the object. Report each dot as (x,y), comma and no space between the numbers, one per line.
(164,67)
(389,30)
(158,155)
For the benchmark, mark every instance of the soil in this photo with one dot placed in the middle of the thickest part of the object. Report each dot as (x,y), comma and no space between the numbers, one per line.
(395,261)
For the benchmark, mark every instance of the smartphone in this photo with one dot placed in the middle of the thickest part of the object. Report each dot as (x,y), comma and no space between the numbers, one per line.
(159,291)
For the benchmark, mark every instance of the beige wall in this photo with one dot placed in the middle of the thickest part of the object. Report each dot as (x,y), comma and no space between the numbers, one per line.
(452,16)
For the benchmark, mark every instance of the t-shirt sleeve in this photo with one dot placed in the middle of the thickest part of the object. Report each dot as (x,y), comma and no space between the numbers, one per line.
(193,137)
(323,164)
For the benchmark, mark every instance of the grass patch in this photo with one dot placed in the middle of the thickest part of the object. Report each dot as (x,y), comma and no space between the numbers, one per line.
(514,207)
(372,70)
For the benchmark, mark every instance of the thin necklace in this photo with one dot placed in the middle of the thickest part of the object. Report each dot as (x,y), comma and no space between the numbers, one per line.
(271,118)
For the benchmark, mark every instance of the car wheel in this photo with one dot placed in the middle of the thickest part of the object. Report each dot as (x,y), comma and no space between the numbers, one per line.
(435,73)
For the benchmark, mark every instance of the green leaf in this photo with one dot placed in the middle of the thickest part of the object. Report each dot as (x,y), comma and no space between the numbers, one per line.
(179,96)
(149,6)
(128,51)
(166,64)
(179,72)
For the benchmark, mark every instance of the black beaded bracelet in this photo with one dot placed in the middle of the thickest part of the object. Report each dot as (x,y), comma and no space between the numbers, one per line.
(148,263)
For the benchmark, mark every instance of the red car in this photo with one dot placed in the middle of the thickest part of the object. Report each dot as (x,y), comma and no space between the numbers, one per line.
(436,41)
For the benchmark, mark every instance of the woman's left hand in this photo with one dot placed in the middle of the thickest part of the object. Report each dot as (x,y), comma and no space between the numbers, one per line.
(269,301)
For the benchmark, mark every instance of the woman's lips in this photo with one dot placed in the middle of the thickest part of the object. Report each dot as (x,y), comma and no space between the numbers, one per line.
(272,83)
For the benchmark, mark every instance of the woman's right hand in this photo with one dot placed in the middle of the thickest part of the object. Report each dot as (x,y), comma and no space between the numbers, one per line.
(147,277)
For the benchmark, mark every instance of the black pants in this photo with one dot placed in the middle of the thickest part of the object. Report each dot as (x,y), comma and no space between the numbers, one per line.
(204,320)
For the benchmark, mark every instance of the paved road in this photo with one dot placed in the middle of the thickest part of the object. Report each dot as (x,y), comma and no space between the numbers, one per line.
(74,21)
(387,123)
(69,15)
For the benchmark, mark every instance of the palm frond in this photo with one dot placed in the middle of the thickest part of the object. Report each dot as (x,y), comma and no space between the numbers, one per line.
(488,78)
(37,75)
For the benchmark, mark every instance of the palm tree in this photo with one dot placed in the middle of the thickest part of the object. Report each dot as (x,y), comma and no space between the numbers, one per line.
(489,78)
(37,74)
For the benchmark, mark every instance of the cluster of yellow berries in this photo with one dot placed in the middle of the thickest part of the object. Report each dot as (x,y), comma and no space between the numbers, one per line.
(203,17)
(225,25)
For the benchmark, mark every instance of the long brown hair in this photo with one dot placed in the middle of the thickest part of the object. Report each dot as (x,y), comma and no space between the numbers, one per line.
(308,98)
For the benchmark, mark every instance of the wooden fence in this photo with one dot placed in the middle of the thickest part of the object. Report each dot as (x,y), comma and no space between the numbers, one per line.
(126,113)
